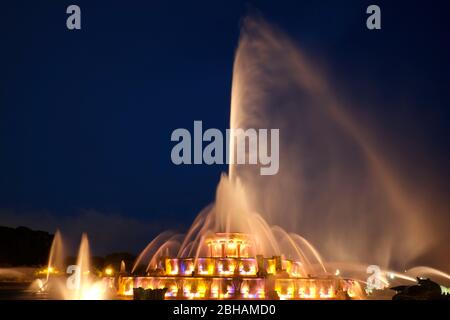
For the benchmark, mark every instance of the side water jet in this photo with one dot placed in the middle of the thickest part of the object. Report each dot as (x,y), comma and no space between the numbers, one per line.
(78,283)
(55,259)
(85,285)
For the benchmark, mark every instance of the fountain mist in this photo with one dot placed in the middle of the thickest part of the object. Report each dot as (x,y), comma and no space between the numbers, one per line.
(333,186)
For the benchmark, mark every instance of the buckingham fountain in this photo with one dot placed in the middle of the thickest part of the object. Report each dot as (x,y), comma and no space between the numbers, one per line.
(231,271)
(231,250)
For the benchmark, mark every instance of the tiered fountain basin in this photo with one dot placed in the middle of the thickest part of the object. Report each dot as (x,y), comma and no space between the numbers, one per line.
(230,273)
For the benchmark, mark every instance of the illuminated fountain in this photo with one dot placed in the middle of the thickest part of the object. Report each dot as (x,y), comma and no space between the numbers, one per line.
(236,248)
(231,252)
(230,271)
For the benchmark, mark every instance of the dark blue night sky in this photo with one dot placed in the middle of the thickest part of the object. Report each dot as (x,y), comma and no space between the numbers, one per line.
(86,116)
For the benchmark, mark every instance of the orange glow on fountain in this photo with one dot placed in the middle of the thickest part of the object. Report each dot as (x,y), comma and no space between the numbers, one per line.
(229,271)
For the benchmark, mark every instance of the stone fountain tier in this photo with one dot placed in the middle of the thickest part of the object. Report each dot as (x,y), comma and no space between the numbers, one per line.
(251,287)
(230,272)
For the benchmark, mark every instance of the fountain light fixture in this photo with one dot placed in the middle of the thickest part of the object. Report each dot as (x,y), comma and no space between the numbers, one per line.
(109,271)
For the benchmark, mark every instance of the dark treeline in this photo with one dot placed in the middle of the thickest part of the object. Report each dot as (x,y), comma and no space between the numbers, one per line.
(24,247)
(21,246)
